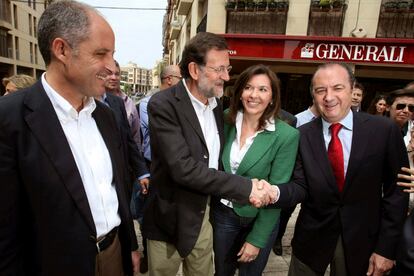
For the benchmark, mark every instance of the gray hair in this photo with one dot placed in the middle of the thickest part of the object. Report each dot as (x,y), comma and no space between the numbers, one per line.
(66,19)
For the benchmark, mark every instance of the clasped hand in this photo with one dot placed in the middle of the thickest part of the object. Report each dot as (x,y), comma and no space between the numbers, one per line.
(262,193)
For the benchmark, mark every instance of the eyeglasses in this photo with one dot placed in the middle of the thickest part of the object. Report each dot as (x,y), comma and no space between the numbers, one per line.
(401,106)
(221,69)
(172,76)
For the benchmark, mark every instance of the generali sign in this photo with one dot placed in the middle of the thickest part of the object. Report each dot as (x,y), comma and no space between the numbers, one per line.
(354,52)
(382,51)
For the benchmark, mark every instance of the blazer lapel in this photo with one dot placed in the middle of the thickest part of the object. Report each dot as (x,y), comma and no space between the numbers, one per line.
(41,118)
(231,134)
(261,144)
(317,146)
(360,137)
(188,110)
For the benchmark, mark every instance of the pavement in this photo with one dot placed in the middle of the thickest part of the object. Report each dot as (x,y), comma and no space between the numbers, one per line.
(276,265)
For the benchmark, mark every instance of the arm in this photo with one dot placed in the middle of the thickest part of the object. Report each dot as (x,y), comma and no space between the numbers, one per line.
(394,200)
(281,171)
(167,134)
(9,206)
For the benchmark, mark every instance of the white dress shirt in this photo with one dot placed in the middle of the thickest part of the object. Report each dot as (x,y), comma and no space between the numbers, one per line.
(208,125)
(91,157)
(304,117)
(237,153)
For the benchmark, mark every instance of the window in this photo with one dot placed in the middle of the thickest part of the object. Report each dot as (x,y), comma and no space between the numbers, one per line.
(29,2)
(34,26)
(3,43)
(35,54)
(15,16)
(30,25)
(326,19)
(396,19)
(256,18)
(31,52)
(5,11)
(16,47)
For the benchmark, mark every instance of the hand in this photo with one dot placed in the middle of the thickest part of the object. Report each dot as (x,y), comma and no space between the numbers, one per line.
(135,257)
(404,177)
(379,265)
(262,193)
(144,185)
(248,253)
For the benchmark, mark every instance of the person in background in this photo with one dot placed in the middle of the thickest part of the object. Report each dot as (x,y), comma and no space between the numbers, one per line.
(307,115)
(378,105)
(170,75)
(258,145)
(112,86)
(186,128)
(351,216)
(17,82)
(63,205)
(357,96)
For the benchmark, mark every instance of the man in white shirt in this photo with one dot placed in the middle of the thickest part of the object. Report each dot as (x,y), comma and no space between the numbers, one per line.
(63,207)
(186,128)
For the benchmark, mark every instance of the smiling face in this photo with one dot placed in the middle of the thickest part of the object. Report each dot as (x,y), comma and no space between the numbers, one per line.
(211,83)
(399,110)
(257,95)
(89,65)
(332,92)
(381,106)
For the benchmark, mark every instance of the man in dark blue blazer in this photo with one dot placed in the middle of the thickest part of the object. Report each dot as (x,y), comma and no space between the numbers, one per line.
(352,211)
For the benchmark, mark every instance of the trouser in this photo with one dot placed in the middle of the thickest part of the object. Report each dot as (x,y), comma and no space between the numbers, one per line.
(338,264)
(109,261)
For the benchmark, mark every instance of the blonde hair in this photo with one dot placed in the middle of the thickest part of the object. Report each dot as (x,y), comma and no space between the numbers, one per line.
(20,81)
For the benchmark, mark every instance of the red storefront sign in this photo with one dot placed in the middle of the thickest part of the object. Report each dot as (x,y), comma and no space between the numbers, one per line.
(322,49)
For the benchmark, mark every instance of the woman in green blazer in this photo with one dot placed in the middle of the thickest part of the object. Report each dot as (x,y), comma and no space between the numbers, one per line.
(258,145)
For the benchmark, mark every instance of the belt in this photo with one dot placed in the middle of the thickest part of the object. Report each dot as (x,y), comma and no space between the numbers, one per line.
(105,241)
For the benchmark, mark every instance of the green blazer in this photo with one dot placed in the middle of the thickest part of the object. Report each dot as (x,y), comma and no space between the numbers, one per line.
(271,157)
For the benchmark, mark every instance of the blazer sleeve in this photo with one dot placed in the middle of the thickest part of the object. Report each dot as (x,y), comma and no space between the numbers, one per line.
(281,171)
(394,200)
(167,132)
(10,203)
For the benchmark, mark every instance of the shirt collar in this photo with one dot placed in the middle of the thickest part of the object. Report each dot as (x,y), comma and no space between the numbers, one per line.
(64,110)
(346,122)
(269,126)
(212,103)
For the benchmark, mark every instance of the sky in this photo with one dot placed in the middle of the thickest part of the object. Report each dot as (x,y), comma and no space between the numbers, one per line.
(138,33)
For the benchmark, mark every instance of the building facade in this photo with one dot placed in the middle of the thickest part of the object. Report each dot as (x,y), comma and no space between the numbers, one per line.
(136,80)
(19,51)
(376,37)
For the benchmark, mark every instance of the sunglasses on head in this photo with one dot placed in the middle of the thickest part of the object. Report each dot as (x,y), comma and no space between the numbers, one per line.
(403,105)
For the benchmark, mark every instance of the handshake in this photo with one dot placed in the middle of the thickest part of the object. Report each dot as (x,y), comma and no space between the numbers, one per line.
(262,193)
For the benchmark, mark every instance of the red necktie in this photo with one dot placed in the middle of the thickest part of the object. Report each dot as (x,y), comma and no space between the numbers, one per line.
(336,155)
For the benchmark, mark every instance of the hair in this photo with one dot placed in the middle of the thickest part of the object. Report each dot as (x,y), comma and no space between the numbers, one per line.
(410,85)
(348,69)
(197,48)
(169,70)
(117,65)
(372,109)
(66,19)
(20,81)
(272,110)
(399,93)
(359,86)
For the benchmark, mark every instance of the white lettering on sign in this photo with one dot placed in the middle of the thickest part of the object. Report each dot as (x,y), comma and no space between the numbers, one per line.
(360,52)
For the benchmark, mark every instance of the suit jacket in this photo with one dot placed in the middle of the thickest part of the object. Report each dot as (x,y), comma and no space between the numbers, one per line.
(180,177)
(136,166)
(405,254)
(46,225)
(369,212)
(271,157)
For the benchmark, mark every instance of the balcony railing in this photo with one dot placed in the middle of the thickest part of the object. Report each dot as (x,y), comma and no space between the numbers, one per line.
(326,20)
(259,17)
(396,20)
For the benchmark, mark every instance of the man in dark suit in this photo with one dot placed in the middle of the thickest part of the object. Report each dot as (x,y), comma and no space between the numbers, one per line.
(352,211)
(63,206)
(186,128)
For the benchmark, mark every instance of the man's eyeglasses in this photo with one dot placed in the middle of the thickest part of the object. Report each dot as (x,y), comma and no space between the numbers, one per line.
(173,76)
(401,106)
(221,69)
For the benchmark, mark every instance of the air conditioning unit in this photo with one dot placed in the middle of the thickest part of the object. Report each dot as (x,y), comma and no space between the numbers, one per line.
(359,32)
